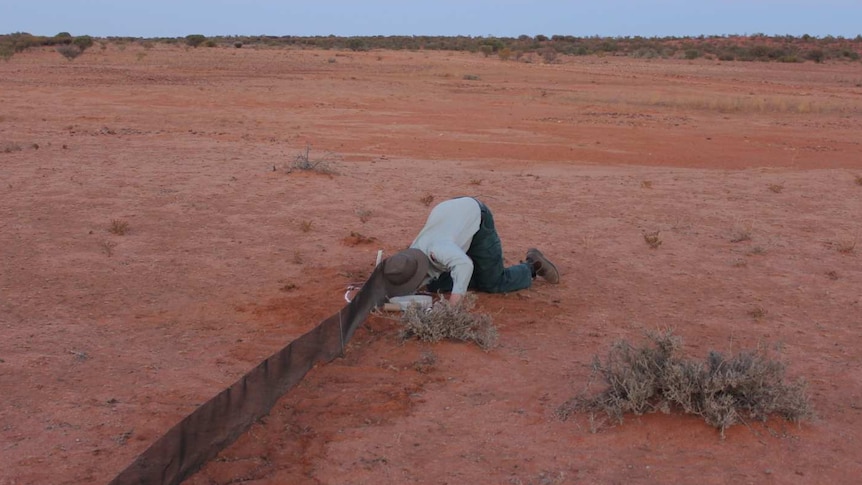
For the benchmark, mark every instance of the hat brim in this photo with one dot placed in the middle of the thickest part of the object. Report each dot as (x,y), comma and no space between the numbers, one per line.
(410,286)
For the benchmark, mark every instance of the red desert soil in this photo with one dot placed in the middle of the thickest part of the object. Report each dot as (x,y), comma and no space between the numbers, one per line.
(108,340)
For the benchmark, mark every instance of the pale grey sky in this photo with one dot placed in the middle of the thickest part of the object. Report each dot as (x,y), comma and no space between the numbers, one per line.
(177,18)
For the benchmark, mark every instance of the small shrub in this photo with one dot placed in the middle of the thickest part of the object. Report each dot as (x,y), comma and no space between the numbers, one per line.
(859,180)
(108,247)
(475,181)
(691,54)
(846,245)
(11,147)
(723,390)
(194,40)
(757,251)
(816,55)
(119,227)
(427,199)
(6,51)
(305,162)
(83,42)
(237,44)
(364,215)
(646,184)
(757,313)
(444,321)
(69,51)
(652,239)
(777,188)
(740,232)
(471,77)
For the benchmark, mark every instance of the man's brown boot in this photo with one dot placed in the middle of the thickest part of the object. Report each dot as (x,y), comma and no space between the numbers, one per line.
(542,266)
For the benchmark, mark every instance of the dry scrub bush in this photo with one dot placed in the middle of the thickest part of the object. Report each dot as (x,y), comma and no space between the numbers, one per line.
(119,227)
(652,239)
(303,161)
(445,321)
(723,390)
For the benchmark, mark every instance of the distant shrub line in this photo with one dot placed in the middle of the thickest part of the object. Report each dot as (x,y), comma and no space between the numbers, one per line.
(757,47)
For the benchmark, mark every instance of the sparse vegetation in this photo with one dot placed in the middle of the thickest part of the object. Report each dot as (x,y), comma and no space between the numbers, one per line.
(550,49)
(757,313)
(69,51)
(303,161)
(653,239)
(427,199)
(356,238)
(723,390)
(741,232)
(108,247)
(11,147)
(364,214)
(475,181)
(846,245)
(859,180)
(444,321)
(194,40)
(305,225)
(119,227)
(757,251)
(777,188)
(471,77)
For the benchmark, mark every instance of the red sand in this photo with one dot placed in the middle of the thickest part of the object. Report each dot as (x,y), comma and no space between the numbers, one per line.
(109,340)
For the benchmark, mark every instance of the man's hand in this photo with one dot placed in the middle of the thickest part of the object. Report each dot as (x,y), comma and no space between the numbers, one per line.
(455,298)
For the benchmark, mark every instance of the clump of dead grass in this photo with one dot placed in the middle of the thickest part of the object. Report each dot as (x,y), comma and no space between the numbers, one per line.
(305,162)
(741,231)
(445,321)
(653,239)
(723,390)
(119,227)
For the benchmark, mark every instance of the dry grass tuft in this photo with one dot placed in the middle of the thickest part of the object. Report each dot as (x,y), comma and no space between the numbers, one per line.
(364,214)
(741,232)
(119,227)
(652,239)
(777,188)
(304,162)
(757,313)
(11,147)
(846,245)
(305,226)
(444,321)
(859,180)
(108,247)
(427,199)
(723,390)
(646,184)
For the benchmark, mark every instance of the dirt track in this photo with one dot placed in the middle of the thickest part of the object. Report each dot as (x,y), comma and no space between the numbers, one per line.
(108,340)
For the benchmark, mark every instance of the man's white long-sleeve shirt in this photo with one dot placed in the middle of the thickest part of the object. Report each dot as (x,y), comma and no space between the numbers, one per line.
(446,238)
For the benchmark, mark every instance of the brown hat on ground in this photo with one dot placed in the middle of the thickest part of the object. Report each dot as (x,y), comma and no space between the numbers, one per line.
(403,272)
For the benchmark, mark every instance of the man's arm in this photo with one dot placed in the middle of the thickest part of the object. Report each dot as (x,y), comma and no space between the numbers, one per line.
(459,265)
